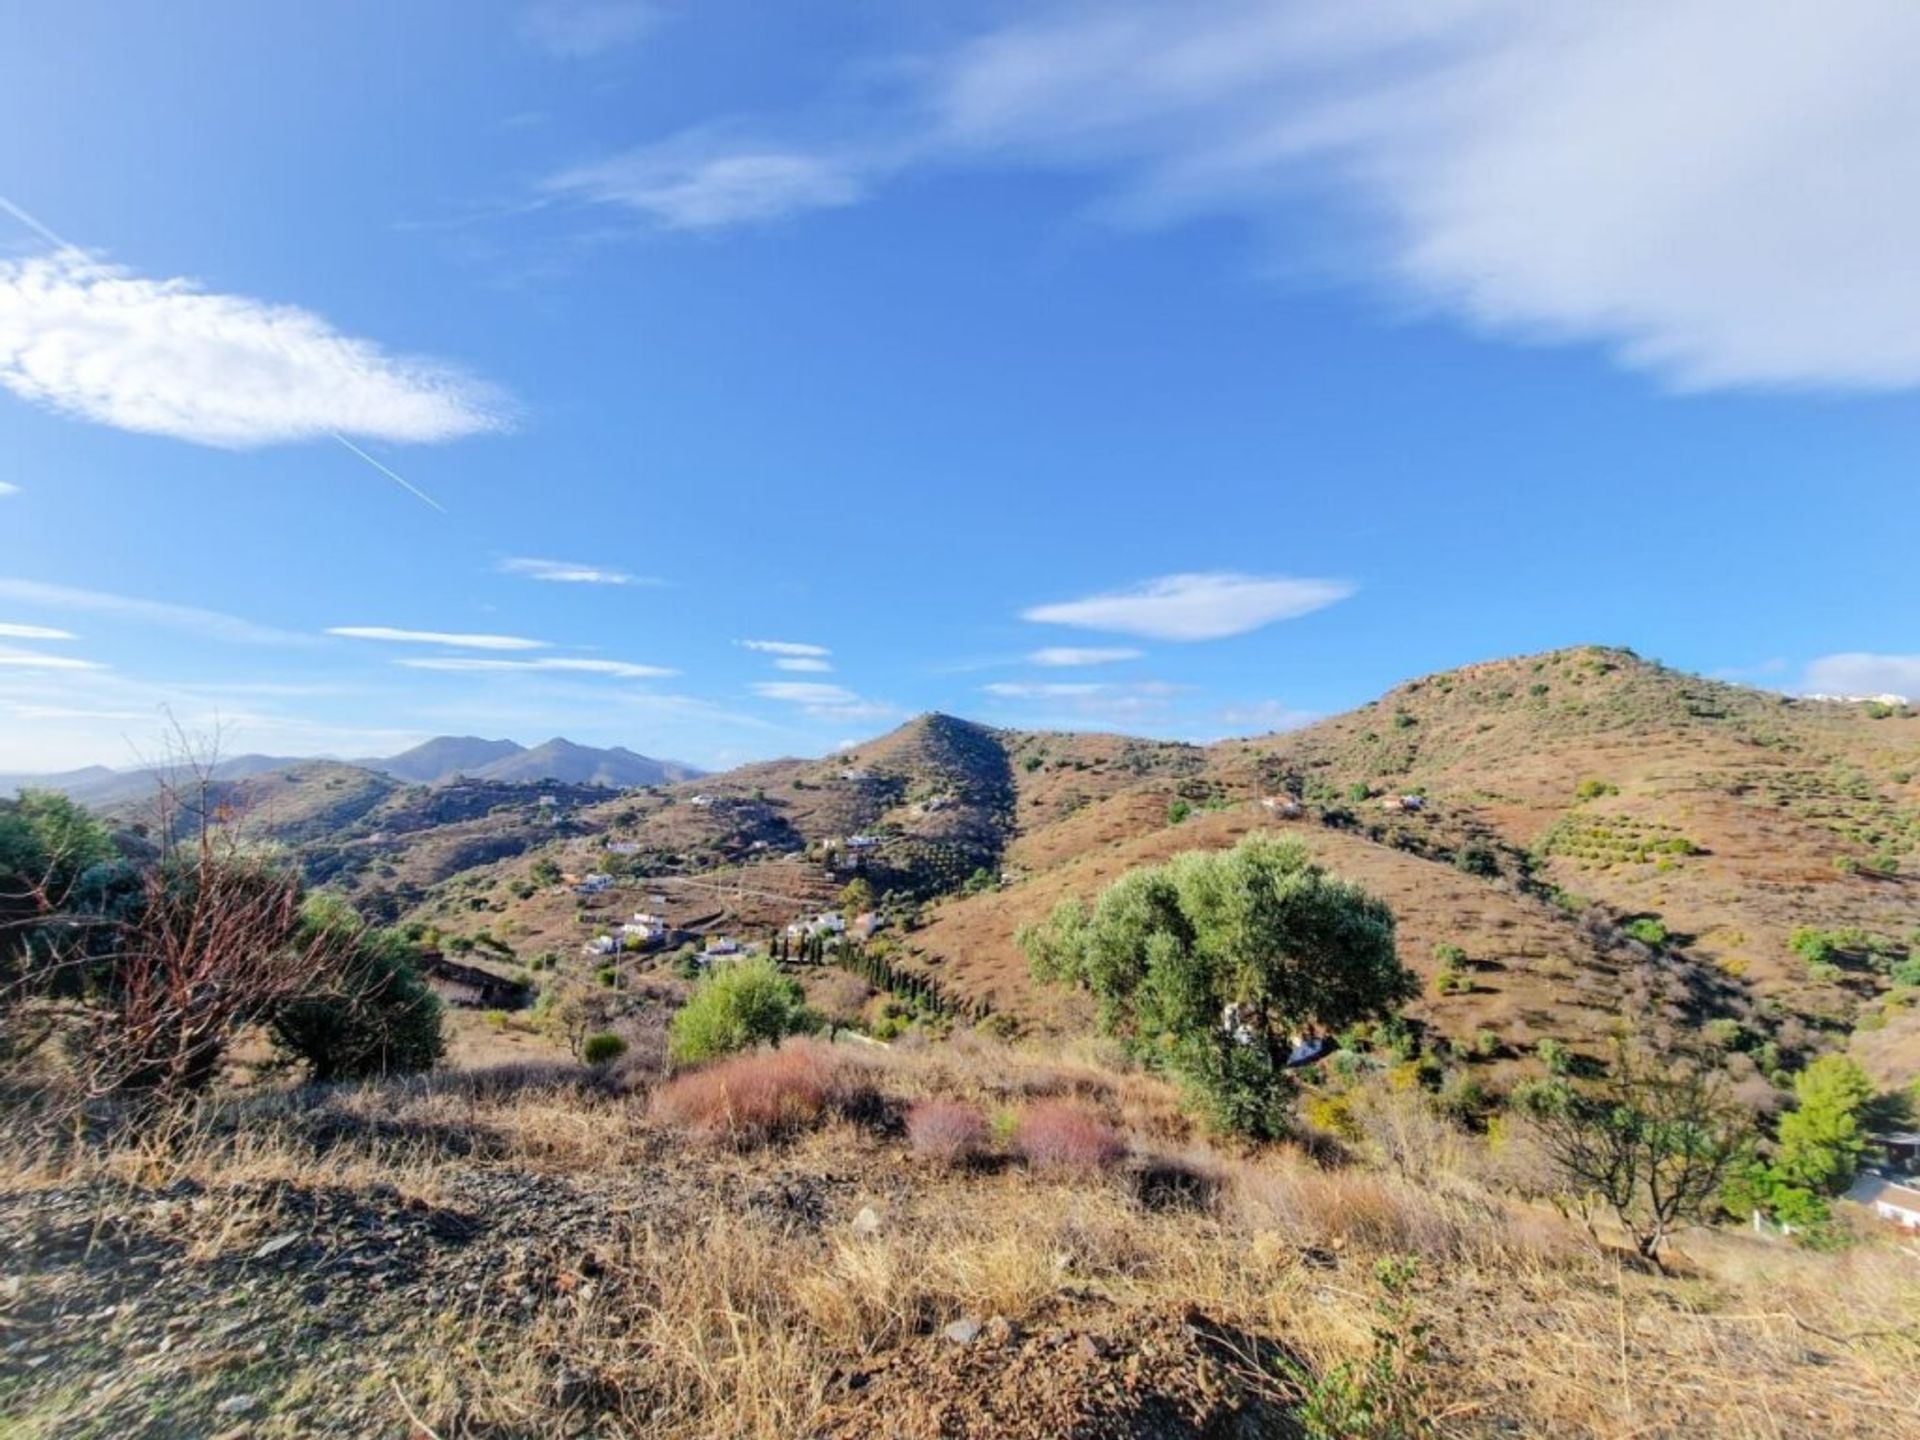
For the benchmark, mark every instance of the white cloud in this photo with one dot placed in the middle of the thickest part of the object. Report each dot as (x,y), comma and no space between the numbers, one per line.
(803,664)
(1036,690)
(582,29)
(697,181)
(619,668)
(8,488)
(570,572)
(34,632)
(805,692)
(166,357)
(1723,194)
(35,660)
(823,701)
(1065,656)
(1204,606)
(1863,673)
(436,637)
(788,647)
(209,624)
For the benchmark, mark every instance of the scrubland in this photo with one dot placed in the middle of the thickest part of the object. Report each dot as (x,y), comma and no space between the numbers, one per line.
(960,1239)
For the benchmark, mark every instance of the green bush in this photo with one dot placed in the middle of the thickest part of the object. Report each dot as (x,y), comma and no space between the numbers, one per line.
(1906,972)
(735,1007)
(1594,789)
(1555,1055)
(602,1048)
(375,1016)
(1648,931)
(1179,810)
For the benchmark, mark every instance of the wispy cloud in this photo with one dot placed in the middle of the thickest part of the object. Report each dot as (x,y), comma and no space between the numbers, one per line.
(620,669)
(569,572)
(1065,656)
(34,632)
(803,664)
(1206,606)
(7,488)
(823,701)
(791,648)
(1074,704)
(582,29)
(36,660)
(1718,193)
(700,181)
(209,624)
(85,338)
(1863,673)
(436,637)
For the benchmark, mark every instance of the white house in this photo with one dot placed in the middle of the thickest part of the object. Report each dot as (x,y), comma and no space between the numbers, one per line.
(623,847)
(594,884)
(702,802)
(721,946)
(601,945)
(1889,1198)
(863,842)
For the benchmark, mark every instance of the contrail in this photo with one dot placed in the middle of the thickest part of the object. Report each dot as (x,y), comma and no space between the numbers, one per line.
(34,225)
(399,480)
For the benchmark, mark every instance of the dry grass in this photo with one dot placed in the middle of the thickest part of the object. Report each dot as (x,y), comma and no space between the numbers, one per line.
(701,1318)
(1060,1136)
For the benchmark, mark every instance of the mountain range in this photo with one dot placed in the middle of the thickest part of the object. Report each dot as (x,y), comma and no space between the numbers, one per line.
(433,762)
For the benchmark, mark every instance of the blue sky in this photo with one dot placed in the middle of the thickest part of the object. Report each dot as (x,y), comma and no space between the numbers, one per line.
(765,375)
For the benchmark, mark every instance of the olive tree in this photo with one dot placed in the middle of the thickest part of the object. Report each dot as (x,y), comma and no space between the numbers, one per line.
(1212,965)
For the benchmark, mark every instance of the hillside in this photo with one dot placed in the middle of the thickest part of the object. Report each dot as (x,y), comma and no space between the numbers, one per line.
(1598,834)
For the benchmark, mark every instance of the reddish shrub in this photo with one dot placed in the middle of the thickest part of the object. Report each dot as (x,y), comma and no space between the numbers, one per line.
(949,1131)
(1059,1135)
(754,1098)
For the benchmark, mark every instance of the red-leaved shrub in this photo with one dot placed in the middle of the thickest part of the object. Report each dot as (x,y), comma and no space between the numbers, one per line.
(764,1095)
(1059,1135)
(949,1131)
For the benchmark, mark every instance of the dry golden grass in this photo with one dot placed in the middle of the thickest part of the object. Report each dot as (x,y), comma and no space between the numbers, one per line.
(699,1317)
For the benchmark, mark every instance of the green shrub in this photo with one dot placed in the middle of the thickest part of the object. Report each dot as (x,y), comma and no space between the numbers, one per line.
(1594,789)
(1478,860)
(1555,1055)
(602,1048)
(1359,792)
(1179,810)
(376,1016)
(1906,972)
(1384,1396)
(737,1006)
(1648,930)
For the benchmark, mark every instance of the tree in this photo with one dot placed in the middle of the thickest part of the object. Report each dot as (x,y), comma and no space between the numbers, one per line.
(1211,966)
(1821,1138)
(735,1007)
(1653,1142)
(857,897)
(374,1015)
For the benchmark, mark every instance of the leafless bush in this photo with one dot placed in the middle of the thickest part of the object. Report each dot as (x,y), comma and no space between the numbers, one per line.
(754,1098)
(950,1132)
(1058,1135)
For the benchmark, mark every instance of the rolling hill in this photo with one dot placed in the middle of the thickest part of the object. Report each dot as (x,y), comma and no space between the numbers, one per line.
(1599,834)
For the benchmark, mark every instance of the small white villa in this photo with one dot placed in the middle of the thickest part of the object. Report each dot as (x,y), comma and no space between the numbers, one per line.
(1888,1198)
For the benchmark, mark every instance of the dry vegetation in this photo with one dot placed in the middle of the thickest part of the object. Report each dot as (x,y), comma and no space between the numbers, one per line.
(548,1251)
